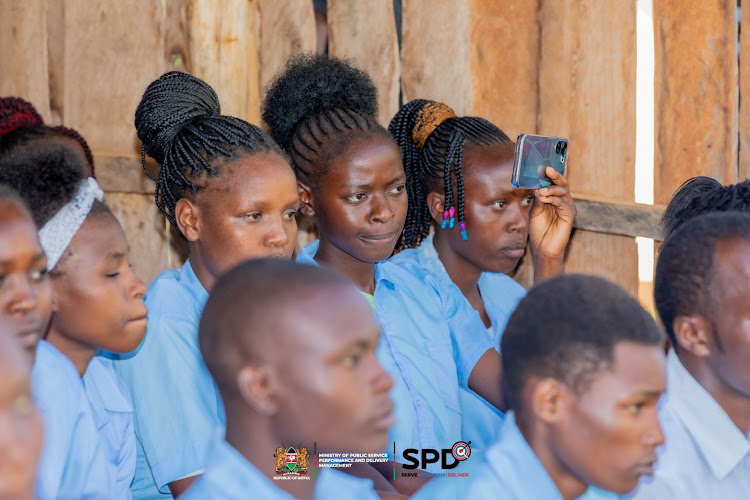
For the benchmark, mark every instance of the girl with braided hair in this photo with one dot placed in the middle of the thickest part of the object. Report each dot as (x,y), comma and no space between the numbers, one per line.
(228,190)
(322,111)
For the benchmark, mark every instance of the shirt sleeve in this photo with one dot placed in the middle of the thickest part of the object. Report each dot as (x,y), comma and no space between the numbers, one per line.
(177,411)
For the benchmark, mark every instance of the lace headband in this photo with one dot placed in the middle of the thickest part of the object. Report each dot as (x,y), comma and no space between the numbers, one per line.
(58,232)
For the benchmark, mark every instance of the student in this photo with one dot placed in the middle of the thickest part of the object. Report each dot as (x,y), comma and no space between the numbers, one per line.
(72,464)
(584,370)
(228,190)
(21,432)
(702,295)
(691,189)
(322,110)
(291,370)
(97,299)
(458,175)
(732,198)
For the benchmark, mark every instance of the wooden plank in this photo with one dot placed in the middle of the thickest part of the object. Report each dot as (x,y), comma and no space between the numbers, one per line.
(587,94)
(283,35)
(366,32)
(224,53)
(56,60)
(505,38)
(23,52)
(153,247)
(625,219)
(696,92)
(124,174)
(436,54)
(744,111)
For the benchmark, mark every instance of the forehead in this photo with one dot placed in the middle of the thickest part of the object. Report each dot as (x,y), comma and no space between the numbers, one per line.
(733,263)
(253,177)
(366,160)
(489,168)
(636,369)
(99,236)
(17,230)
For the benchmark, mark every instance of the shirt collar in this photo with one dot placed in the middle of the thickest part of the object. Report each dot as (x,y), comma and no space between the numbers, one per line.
(721,443)
(382,269)
(190,280)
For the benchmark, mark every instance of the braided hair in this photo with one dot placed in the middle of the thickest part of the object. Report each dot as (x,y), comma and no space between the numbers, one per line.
(431,139)
(316,107)
(20,123)
(180,124)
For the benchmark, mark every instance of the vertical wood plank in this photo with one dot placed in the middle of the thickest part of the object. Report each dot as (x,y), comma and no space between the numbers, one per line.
(224,53)
(286,28)
(366,32)
(696,92)
(505,44)
(744,112)
(435,52)
(587,94)
(23,52)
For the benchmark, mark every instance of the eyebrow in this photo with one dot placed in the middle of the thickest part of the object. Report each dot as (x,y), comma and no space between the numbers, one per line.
(116,255)
(34,258)
(367,186)
(651,394)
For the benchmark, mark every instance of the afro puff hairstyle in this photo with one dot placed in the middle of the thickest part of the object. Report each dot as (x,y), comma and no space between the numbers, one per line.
(316,106)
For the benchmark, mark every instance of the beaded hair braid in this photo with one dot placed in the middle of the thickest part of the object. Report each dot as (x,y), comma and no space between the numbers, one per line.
(179,122)
(431,139)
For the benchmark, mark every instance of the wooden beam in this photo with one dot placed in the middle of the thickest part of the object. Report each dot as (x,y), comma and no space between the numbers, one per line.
(623,218)
(744,121)
(695,92)
(366,32)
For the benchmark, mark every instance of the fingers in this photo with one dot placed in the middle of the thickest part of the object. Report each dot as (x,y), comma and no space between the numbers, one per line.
(554,190)
(557,178)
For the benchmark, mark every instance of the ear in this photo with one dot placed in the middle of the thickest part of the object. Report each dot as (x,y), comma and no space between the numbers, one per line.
(256,386)
(306,198)
(694,334)
(436,203)
(547,400)
(187,215)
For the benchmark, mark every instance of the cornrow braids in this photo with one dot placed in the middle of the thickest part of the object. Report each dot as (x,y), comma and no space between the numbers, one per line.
(317,106)
(180,124)
(432,139)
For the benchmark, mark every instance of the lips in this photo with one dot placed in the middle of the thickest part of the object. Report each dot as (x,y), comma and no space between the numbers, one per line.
(514,251)
(646,468)
(384,419)
(378,238)
(29,336)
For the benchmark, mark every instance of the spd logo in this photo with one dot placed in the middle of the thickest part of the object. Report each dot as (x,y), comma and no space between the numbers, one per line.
(291,461)
(458,453)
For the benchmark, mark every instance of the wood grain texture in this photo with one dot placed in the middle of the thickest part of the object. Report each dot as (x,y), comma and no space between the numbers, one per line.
(224,53)
(23,52)
(436,53)
(744,110)
(286,28)
(587,94)
(505,44)
(366,32)
(695,92)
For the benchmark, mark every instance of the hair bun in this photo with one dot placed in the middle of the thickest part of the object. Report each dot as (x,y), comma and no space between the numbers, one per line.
(16,113)
(311,84)
(169,103)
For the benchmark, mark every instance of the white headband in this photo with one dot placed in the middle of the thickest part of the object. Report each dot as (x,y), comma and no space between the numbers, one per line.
(57,233)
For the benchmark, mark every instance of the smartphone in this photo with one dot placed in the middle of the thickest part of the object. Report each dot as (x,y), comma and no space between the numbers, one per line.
(533,154)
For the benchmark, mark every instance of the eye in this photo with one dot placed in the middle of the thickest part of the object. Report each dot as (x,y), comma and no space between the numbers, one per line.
(499,205)
(353,360)
(289,215)
(113,274)
(528,200)
(356,198)
(252,216)
(635,408)
(398,189)
(22,406)
(38,275)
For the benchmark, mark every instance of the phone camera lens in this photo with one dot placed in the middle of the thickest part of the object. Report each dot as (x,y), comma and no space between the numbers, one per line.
(564,147)
(558,147)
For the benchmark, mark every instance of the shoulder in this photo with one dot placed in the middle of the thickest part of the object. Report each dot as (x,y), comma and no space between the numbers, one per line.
(174,292)
(55,380)
(501,286)
(102,380)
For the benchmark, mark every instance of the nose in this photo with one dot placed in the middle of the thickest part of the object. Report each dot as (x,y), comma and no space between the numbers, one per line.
(380,210)
(381,381)
(654,436)
(23,297)
(518,218)
(277,235)
(137,286)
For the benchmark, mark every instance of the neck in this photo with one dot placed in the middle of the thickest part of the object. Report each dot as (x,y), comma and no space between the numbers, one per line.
(735,404)
(360,272)
(569,486)
(463,273)
(200,268)
(79,353)
(254,438)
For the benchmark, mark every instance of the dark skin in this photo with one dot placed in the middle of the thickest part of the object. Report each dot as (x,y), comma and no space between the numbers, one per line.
(607,434)
(499,219)
(335,381)
(21,432)
(97,298)
(25,292)
(247,212)
(720,366)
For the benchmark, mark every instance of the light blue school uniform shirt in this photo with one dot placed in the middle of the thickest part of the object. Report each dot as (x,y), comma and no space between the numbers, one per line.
(72,464)
(501,294)
(229,476)
(429,346)
(704,454)
(113,417)
(177,406)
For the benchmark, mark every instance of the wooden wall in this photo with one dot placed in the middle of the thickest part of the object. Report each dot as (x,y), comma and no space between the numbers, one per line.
(563,67)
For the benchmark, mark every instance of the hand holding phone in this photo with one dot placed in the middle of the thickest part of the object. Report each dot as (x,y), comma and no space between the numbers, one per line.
(534,153)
